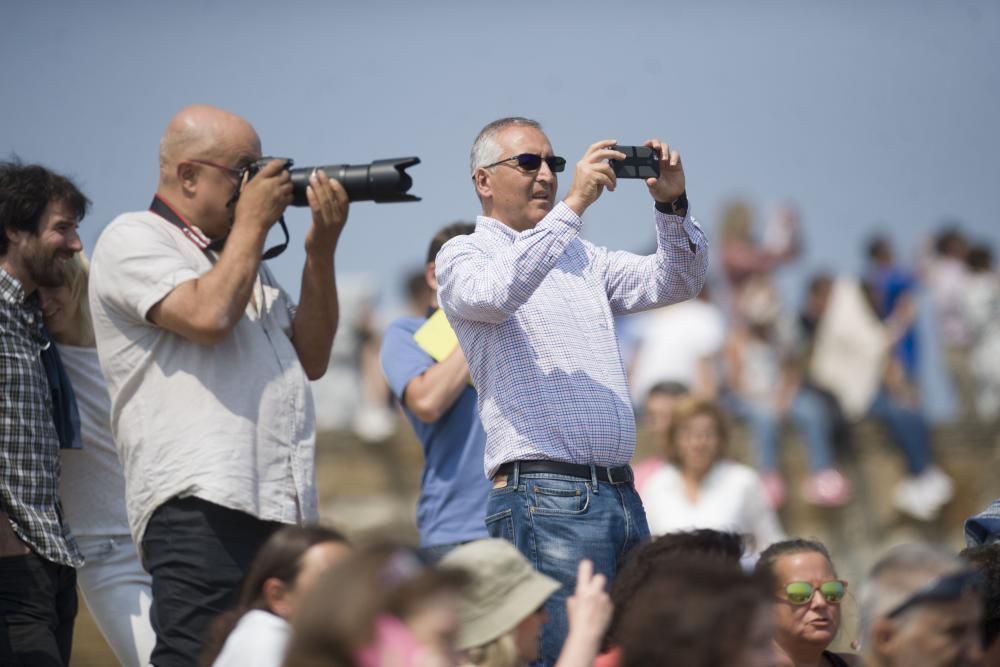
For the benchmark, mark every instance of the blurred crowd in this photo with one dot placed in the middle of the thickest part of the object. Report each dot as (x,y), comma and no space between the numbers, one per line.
(686,598)
(189,475)
(849,349)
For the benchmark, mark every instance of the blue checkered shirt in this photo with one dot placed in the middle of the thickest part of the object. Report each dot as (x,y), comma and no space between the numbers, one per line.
(534,312)
(29,444)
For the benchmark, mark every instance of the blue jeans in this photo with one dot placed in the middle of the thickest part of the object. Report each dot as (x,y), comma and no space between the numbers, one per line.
(907,429)
(558,520)
(810,415)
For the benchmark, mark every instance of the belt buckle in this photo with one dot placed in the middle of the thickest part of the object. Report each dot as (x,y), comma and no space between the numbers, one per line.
(611,476)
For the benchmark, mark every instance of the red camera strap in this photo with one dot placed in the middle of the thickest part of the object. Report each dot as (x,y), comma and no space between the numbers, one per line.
(161,208)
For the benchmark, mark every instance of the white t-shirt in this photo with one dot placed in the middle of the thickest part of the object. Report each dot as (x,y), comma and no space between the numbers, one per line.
(672,341)
(259,639)
(731,498)
(91,484)
(231,423)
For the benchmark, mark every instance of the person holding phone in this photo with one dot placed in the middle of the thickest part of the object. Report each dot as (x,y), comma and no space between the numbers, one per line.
(533,305)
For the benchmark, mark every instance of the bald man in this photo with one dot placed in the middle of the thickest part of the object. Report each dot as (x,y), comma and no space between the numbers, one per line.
(207,362)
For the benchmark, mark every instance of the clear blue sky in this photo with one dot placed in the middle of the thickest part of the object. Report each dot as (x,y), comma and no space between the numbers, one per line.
(862,112)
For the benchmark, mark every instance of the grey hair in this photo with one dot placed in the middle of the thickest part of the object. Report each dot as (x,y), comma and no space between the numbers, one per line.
(898,575)
(485,149)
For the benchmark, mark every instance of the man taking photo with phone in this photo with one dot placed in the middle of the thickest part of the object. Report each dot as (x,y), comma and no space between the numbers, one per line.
(533,306)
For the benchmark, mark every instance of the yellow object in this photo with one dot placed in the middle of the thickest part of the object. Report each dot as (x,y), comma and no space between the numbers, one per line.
(436,337)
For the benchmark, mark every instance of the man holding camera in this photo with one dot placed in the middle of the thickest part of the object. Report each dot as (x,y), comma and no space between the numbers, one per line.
(208,362)
(533,306)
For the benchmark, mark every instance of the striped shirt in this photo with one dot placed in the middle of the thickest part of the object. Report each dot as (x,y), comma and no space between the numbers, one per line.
(29,444)
(534,312)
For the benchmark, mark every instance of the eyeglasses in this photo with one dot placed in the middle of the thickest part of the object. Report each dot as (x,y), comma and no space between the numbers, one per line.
(533,162)
(943,589)
(801,592)
(235,173)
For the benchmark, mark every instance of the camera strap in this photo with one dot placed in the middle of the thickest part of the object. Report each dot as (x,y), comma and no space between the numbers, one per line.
(193,234)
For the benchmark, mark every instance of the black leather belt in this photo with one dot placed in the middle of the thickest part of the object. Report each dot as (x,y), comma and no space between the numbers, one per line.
(616,475)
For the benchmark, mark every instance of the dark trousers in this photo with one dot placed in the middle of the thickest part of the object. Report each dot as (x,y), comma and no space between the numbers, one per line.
(197,554)
(37,608)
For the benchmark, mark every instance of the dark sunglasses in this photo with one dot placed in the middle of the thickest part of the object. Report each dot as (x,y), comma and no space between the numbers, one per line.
(533,162)
(801,592)
(943,589)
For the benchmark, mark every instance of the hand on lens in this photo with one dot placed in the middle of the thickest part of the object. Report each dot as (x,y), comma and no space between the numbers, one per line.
(593,174)
(265,196)
(329,203)
(670,185)
(589,608)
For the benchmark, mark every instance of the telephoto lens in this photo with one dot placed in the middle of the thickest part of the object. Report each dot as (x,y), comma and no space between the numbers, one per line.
(382,181)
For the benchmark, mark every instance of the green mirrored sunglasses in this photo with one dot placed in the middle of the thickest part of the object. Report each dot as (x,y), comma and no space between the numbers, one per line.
(801,592)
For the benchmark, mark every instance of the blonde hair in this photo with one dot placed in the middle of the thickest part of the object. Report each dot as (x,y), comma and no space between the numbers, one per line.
(684,411)
(77,280)
(501,652)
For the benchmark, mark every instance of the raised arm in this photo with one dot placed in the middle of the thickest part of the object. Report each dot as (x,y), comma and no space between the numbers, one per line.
(475,284)
(207,308)
(490,286)
(677,271)
(318,313)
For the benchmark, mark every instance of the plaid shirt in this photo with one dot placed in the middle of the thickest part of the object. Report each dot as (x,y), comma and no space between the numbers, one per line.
(29,444)
(535,311)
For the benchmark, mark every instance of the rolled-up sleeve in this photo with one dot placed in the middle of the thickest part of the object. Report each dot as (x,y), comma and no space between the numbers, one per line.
(489,286)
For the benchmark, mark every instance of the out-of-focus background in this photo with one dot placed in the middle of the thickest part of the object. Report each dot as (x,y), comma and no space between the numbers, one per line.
(809,130)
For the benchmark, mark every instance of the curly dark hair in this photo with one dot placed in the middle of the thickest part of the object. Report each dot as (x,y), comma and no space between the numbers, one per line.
(25,191)
(659,556)
(700,614)
(986,559)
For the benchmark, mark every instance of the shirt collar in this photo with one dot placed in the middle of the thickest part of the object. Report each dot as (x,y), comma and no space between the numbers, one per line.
(11,288)
(494,227)
(193,233)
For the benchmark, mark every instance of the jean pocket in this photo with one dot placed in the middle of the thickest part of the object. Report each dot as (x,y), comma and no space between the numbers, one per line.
(501,525)
(559,497)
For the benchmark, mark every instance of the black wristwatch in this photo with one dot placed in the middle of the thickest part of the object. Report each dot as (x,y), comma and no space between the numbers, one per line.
(678,207)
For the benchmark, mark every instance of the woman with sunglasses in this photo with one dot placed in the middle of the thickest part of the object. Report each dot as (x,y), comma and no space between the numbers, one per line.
(807,610)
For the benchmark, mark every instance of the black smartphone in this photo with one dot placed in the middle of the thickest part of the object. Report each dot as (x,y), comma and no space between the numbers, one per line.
(639,162)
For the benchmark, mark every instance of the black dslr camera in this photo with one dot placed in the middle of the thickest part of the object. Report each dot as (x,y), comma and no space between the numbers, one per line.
(382,181)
